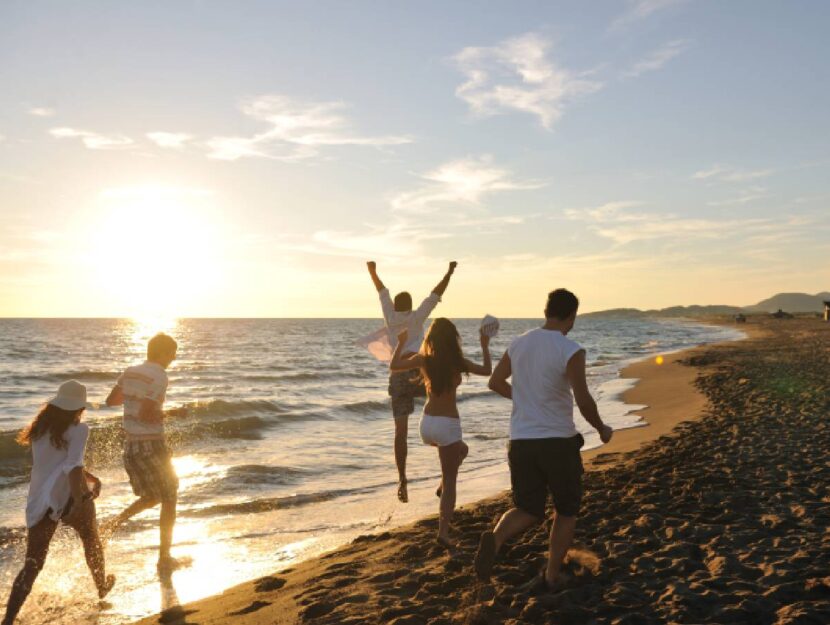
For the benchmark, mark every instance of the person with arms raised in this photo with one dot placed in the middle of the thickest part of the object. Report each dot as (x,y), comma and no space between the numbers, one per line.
(403,385)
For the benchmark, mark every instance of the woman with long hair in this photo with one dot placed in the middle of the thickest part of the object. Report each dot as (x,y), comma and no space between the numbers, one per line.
(442,364)
(61,490)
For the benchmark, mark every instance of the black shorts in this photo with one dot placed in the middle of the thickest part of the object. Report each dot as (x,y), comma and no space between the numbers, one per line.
(539,466)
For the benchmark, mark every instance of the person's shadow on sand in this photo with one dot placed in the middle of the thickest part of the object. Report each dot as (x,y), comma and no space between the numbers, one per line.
(172,612)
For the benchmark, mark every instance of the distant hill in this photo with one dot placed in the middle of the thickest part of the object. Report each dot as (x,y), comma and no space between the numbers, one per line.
(792,302)
(788,302)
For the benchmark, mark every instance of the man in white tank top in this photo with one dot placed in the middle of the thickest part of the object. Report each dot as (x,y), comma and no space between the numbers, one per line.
(547,371)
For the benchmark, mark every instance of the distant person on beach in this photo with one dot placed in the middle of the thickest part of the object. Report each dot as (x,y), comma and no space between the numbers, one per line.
(545,368)
(147,458)
(60,491)
(441,364)
(404,386)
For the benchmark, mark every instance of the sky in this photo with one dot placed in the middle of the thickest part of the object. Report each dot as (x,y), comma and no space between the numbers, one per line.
(245,159)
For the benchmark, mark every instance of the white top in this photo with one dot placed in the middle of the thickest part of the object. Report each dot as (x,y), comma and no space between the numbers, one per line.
(144,381)
(412,320)
(543,404)
(49,487)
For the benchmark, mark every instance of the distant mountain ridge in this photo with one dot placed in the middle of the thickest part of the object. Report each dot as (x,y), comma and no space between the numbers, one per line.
(788,302)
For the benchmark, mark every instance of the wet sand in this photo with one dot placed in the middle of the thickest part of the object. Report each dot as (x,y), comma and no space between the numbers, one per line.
(716,512)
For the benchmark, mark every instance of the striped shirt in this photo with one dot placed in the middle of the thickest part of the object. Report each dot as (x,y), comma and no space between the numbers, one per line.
(139,383)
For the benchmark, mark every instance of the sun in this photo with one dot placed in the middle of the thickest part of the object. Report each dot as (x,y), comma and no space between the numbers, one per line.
(156,250)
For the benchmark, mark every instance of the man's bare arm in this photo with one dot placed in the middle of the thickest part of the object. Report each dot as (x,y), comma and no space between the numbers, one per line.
(373,272)
(498,381)
(587,406)
(442,286)
(116,396)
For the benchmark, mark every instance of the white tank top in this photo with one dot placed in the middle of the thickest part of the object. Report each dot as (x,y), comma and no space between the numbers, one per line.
(543,403)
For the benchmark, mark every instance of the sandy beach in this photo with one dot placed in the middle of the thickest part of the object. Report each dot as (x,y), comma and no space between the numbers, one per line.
(717,511)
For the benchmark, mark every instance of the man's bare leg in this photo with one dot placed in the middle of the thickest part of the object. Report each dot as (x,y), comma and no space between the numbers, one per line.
(401,433)
(561,537)
(167,521)
(108,527)
(512,523)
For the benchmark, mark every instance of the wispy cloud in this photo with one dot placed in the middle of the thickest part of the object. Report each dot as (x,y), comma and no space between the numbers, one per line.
(748,195)
(614,221)
(726,173)
(640,9)
(93,140)
(172,140)
(518,75)
(297,130)
(460,182)
(610,211)
(42,111)
(658,58)
(456,190)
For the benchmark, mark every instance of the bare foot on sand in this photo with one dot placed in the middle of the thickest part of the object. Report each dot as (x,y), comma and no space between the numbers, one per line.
(168,564)
(403,496)
(446,543)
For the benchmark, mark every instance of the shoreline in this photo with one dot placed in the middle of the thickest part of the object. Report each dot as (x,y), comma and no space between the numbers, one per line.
(669,397)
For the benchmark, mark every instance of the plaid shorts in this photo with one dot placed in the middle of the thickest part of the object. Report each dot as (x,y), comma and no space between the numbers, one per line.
(150,467)
(404,387)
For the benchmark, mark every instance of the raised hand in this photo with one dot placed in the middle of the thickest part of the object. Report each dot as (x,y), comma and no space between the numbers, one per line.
(453,265)
(485,339)
(372,265)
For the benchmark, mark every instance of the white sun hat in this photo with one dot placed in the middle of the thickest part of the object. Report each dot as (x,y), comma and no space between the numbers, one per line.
(71,396)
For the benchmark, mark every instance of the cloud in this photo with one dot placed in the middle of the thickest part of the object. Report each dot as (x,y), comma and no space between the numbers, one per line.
(749,195)
(517,75)
(297,130)
(172,140)
(613,221)
(455,189)
(641,9)
(658,58)
(610,211)
(92,140)
(725,173)
(460,182)
(42,111)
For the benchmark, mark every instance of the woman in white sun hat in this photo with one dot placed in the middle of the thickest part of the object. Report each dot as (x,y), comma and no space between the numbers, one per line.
(61,490)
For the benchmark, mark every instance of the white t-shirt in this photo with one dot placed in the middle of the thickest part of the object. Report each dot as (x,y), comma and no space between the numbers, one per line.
(49,487)
(543,403)
(412,320)
(144,381)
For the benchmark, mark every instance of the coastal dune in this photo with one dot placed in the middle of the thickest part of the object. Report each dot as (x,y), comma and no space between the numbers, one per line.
(717,511)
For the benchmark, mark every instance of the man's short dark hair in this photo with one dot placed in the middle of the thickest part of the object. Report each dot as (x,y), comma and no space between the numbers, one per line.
(161,347)
(403,302)
(561,304)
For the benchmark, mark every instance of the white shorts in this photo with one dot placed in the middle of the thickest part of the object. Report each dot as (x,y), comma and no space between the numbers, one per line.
(440,431)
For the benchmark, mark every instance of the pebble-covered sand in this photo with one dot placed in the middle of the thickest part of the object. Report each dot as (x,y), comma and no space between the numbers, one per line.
(725,521)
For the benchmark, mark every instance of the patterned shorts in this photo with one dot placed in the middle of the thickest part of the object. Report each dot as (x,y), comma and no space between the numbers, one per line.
(404,387)
(150,467)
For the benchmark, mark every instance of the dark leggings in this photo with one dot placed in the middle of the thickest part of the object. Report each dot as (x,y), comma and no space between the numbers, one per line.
(38,539)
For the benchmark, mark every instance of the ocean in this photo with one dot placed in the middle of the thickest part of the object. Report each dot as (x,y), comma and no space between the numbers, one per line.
(282,434)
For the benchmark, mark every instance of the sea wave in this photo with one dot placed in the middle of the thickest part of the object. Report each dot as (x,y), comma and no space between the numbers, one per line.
(267,504)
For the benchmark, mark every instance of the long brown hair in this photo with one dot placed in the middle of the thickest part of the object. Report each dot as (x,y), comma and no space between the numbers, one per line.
(443,358)
(53,420)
